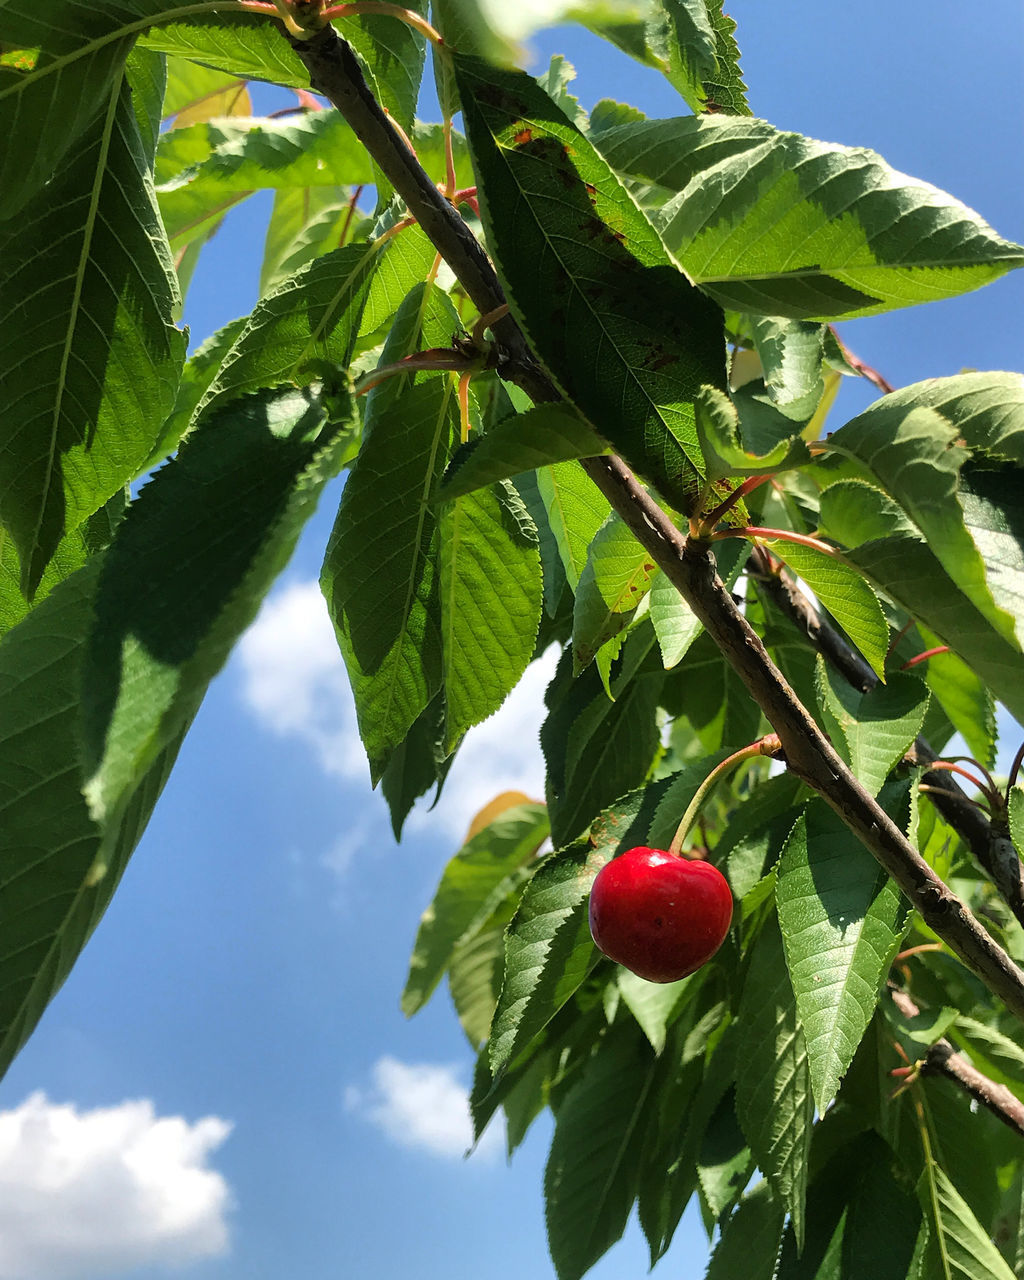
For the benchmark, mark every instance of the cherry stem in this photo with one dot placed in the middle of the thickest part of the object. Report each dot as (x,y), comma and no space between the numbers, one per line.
(755,532)
(898,637)
(916,951)
(938,791)
(1018,760)
(923,657)
(349,216)
(486,321)
(407,16)
(434,360)
(769,745)
(991,788)
(950,766)
(716,514)
(464,404)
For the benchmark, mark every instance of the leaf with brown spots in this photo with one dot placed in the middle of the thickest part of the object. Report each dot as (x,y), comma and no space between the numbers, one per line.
(620,328)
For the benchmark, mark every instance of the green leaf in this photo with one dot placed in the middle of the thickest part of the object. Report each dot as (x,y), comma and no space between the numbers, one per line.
(964,697)
(625,335)
(472,886)
(305,222)
(994,1053)
(914,455)
(725,1162)
(842,919)
(201,368)
(896,558)
(474,974)
(72,552)
(185,575)
(216,161)
(596,747)
(1016,817)
(89,354)
(197,93)
(747,443)
(675,623)
(987,410)
(60,865)
(994,519)
(491,602)
(725,89)
(653,1004)
(305,330)
(77,55)
(757,832)
(591,1175)
(616,577)
(773,1087)
(791,354)
(381,575)
(548,947)
(845,594)
(775,223)
(961,1246)
(882,1220)
(875,728)
(749,1244)
(524,442)
(241,44)
(576,510)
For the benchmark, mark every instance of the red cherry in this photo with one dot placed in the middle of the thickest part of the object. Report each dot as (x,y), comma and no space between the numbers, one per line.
(659,915)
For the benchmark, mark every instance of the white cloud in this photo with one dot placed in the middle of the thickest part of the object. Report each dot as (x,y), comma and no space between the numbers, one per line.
(90,1193)
(420,1105)
(294,682)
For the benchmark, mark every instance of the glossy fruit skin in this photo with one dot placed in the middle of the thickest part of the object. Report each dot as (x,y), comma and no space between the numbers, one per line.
(658,915)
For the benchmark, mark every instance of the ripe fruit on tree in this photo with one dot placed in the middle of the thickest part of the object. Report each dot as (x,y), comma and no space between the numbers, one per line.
(659,915)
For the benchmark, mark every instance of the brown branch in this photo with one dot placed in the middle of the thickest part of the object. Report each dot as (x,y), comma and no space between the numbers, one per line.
(943,1060)
(688,564)
(989,842)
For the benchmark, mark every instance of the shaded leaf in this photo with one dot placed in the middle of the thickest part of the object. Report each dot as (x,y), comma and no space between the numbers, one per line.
(773,1087)
(576,510)
(306,329)
(524,442)
(824,231)
(896,558)
(185,575)
(591,1175)
(89,352)
(548,947)
(962,1246)
(589,281)
(845,594)
(872,730)
(474,883)
(60,866)
(842,919)
(381,575)
(749,1244)
(491,598)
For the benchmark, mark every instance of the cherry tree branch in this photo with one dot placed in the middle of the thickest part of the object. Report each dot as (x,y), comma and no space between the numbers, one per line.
(942,1059)
(688,563)
(987,840)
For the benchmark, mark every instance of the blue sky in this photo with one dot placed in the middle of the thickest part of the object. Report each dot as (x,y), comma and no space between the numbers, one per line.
(225,1088)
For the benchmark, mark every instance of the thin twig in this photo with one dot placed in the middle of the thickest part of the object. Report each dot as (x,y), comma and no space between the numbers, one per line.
(688,563)
(985,842)
(943,1060)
